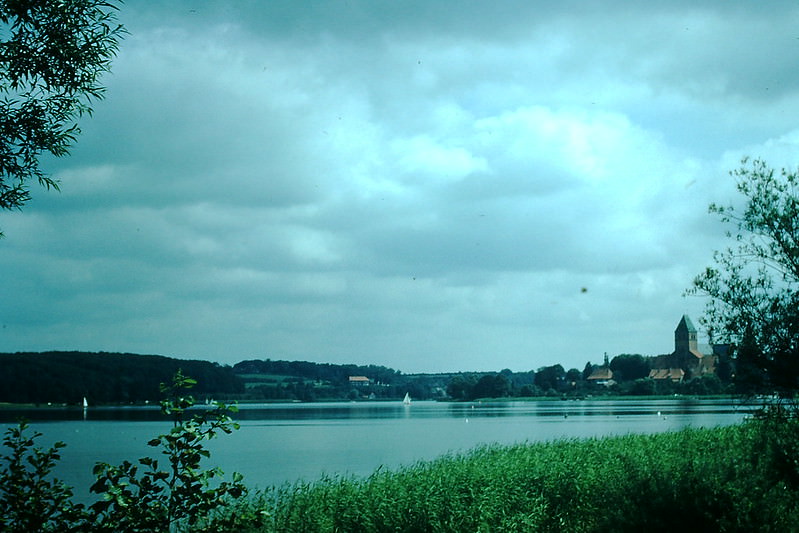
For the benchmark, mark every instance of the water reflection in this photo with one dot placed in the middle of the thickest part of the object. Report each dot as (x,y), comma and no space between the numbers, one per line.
(343,411)
(57,414)
(588,408)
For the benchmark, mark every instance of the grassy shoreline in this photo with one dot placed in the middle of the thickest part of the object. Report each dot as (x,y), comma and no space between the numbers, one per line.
(734,478)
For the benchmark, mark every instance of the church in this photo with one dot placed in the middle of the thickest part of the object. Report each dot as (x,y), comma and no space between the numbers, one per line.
(687,361)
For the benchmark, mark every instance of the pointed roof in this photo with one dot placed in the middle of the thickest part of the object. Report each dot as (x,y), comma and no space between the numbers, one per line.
(686,324)
(674,374)
(600,374)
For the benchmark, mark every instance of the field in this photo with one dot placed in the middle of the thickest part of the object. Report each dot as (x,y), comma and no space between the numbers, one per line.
(256,380)
(738,478)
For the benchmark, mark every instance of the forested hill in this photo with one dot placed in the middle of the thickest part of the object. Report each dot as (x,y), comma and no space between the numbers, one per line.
(308,381)
(318,371)
(68,377)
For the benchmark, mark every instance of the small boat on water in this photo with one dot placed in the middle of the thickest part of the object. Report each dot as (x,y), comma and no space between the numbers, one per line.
(85,403)
(407,399)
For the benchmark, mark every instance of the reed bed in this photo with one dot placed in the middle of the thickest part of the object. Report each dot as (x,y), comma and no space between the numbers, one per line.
(738,478)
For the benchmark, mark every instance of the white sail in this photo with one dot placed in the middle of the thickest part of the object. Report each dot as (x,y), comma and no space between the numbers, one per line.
(407,400)
(85,403)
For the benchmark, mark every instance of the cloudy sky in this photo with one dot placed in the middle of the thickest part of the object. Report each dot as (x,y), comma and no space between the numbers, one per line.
(430,186)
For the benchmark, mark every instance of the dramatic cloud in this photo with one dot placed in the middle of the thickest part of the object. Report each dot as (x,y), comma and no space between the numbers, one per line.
(430,186)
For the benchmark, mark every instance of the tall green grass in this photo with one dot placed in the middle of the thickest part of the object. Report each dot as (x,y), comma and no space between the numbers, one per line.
(738,478)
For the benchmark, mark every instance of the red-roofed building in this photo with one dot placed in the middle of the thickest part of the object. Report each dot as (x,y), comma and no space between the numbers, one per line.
(673,374)
(602,375)
(359,381)
(686,361)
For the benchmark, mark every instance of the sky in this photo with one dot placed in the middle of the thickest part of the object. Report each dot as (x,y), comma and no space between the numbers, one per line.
(429,186)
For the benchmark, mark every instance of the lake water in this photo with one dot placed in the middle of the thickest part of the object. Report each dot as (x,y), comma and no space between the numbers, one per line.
(280,443)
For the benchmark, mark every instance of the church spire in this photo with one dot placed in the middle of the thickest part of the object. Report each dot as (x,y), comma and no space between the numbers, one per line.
(685,335)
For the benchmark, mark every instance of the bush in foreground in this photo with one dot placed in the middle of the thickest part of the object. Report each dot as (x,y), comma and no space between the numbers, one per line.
(176,495)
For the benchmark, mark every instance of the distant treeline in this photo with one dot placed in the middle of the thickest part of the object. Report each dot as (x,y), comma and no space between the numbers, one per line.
(106,378)
(307,381)
(554,381)
(339,374)
(68,377)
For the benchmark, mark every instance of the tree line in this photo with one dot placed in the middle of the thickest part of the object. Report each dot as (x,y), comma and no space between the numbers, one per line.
(121,378)
(307,381)
(555,381)
(104,378)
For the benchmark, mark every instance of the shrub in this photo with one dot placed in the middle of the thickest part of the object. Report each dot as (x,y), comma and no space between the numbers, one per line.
(133,497)
(155,499)
(29,500)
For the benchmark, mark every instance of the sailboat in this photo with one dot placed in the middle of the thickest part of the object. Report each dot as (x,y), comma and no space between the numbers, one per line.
(85,403)
(407,399)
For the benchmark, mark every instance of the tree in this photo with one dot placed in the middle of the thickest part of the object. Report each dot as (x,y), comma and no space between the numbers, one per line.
(461,387)
(52,55)
(181,494)
(573,376)
(754,302)
(550,377)
(30,500)
(492,386)
(588,370)
(642,387)
(629,367)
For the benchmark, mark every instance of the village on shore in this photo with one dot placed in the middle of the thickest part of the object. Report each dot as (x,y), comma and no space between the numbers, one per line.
(67,378)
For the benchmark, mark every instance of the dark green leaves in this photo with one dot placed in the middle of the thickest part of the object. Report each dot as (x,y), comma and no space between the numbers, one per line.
(182,493)
(754,284)
(51,59)
(144,496)
(29,499)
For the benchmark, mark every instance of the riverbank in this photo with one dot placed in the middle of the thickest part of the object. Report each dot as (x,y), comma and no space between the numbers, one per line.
(736,478)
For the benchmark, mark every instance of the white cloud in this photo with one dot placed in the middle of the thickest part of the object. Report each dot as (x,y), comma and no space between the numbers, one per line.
(422,187)
(424,159)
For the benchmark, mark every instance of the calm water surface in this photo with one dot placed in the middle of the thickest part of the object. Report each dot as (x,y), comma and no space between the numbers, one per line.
(280,443)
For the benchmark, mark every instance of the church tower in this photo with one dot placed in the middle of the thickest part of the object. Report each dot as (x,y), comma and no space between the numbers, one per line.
(685,336)
(686,361)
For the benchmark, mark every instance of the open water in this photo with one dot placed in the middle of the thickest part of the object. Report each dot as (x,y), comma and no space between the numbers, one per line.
(280,443)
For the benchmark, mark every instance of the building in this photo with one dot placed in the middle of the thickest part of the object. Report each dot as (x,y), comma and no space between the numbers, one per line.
(602,375)
(359,381)
(673,374)
(687,361)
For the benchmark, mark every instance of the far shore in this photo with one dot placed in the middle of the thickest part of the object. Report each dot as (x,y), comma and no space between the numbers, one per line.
(600,398)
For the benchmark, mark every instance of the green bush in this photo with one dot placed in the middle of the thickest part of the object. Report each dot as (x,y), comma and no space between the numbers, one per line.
(29,500)
(145,497)
(140,497)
